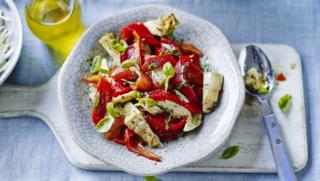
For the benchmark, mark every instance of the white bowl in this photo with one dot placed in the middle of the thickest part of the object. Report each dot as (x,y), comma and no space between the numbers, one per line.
(15,39)
(193,147)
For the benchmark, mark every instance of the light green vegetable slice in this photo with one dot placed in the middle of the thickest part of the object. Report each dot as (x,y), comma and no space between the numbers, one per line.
(96,100)
(285,103)
(96,64)
(168,71)
(119,45)
(128,63)
(111,110)
(230,152)
(105,124)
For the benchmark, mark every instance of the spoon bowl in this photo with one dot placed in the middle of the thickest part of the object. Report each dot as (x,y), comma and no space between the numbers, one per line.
(253,57)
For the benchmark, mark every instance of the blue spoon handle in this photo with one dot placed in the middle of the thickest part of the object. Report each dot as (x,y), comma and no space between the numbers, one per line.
(277,143)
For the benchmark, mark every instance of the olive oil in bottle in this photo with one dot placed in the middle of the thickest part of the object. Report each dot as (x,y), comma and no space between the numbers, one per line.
(56,22)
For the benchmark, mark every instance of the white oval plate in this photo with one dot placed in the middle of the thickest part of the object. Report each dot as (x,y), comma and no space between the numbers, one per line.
(15,38)
(193,147)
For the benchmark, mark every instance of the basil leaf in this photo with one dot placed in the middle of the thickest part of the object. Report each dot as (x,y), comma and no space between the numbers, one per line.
(151,178)
(96,64)
(230,152)
(285,103)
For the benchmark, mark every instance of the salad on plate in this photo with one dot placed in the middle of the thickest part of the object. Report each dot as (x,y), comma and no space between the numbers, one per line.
(151,88)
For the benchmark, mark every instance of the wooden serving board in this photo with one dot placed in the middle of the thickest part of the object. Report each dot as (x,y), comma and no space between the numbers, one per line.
(254,156)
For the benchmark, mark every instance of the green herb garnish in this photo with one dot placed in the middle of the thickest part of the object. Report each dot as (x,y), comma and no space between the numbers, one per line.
(263,91)
(88,58)
(170,33)
(152,65)
(230,152)
(168,119)
(180,41)
(151,178)
(285,103)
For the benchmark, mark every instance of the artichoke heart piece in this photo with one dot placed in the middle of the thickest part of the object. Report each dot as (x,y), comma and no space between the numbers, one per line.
(212,84)
(136,122)
(106,41)
(162,26)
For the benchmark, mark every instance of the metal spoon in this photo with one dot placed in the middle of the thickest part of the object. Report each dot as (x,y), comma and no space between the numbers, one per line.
(253,56)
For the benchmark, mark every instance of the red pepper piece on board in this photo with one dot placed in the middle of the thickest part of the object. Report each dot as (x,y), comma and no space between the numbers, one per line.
(281,77)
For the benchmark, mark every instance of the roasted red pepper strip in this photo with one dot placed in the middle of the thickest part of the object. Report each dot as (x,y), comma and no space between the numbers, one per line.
(158,125)
(118,74)
(180,81)
(115,129)
(193,72)
(144,83)
(126,33)
(160,95)
(119,88)
(133,145)
(157,61)
(105,92)
(191,49)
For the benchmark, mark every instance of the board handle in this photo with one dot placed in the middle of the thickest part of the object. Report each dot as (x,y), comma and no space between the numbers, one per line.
(20,100)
